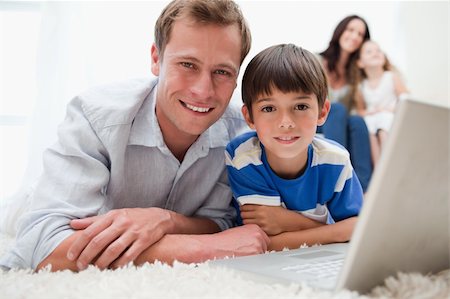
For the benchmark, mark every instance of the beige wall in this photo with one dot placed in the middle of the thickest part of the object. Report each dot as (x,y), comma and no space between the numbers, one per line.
(424,27)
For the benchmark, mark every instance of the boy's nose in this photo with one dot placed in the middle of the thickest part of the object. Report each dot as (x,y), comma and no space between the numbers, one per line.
(286,122)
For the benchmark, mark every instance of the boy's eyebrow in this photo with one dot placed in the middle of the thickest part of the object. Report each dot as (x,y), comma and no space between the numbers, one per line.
(269,99)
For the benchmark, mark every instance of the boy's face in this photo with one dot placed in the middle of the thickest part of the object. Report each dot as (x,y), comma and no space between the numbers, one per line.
(197,76)
(286,124)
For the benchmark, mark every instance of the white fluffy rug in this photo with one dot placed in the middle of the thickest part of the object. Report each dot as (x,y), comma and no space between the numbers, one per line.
(191,281)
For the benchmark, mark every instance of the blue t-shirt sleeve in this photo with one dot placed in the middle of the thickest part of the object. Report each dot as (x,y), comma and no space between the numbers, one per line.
(246,174)
(348,202)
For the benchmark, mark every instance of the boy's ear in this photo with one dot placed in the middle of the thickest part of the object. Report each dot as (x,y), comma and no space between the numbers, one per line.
(323,114)
(247,117)
(155,60)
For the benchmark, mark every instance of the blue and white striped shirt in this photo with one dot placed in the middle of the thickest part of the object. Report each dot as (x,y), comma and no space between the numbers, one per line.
(327,191)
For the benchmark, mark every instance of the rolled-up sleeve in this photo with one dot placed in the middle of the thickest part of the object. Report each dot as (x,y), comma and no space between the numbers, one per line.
(76,173)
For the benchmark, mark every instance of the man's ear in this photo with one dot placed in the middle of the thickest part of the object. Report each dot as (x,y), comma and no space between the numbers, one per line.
(323,114)
(247,117)
(155,60)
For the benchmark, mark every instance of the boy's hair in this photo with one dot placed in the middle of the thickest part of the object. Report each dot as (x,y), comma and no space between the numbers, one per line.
(219,12)
(285,67)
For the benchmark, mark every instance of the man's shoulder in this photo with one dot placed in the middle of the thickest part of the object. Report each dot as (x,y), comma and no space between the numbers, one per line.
(228,126)
(115,103)
(233,115)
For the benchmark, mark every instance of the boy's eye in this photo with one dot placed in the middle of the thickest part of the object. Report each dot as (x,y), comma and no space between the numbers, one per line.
(267,109)
(301,107)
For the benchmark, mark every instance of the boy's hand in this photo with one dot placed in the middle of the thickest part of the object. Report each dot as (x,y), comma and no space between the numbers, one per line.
(269,218)
(275,220)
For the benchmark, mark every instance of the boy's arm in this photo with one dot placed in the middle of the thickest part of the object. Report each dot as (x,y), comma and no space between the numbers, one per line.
(333,233)
(276,220)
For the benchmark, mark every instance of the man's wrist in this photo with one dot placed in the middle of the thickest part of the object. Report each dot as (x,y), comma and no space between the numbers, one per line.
(169,222)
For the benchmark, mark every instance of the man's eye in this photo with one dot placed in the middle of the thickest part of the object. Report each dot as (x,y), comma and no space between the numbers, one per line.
(267,109)
(301,107)
(187,64)
(222,72)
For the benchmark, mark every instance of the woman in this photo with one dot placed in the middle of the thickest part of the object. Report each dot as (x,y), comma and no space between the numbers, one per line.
(342,126)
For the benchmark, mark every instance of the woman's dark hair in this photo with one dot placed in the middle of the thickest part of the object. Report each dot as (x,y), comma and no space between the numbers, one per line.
(332,53)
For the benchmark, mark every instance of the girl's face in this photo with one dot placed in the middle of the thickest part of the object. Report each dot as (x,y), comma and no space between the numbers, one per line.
(353,36)
(371,56)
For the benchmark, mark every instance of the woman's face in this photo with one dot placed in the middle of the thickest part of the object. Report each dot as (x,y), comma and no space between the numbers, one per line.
(353,36)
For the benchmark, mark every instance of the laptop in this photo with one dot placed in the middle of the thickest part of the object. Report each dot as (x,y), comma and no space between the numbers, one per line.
(402,227)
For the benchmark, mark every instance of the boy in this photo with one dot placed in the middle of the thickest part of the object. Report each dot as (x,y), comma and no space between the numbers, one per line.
(284,178)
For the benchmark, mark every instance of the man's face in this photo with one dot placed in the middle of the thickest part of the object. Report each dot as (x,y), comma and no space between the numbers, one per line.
(197,76)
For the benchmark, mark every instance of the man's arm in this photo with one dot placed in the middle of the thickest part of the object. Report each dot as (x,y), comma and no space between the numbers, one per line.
(243,240)
(238,241)
(333,233)
(120,236)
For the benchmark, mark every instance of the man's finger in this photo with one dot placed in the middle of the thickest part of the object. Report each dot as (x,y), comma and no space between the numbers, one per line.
(115,249)
(83,222)
(86,236)
(130,255)
(97,245)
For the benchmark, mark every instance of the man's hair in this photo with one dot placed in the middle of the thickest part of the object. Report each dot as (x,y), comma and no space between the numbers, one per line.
(218,12)
(285,67)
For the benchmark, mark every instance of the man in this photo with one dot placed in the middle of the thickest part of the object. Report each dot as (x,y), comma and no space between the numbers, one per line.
(147,157)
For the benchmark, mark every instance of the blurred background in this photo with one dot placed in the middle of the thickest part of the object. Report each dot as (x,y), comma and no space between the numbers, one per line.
(52,51)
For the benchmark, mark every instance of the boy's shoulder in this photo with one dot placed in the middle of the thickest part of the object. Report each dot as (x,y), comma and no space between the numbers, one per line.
(328,151)
(243,143)
(244,150)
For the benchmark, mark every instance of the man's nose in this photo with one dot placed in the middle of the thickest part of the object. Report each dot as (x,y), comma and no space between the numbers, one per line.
(203,86)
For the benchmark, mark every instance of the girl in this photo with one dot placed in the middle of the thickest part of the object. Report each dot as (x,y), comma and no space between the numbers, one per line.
(380,89)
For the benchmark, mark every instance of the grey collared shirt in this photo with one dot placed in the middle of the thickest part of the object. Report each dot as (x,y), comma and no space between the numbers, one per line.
(110,154)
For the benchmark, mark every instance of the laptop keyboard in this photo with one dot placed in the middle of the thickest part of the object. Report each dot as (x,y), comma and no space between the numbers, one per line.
(319,269)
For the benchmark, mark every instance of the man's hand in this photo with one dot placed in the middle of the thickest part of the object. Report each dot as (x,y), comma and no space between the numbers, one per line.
(237,241)
(275,220)
(118,237)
